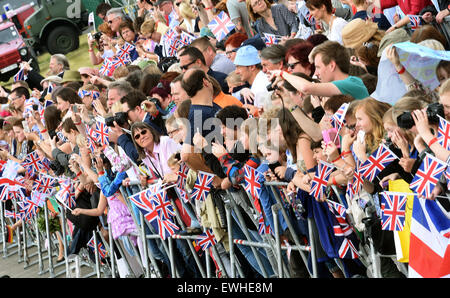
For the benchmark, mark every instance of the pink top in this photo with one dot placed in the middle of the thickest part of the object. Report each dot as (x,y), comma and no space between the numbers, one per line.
(161,153)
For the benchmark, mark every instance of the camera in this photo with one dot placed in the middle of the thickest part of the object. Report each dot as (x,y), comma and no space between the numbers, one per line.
(57,168)
(97,36)
(434,110)
(120,118)
(270,87)
(35,107)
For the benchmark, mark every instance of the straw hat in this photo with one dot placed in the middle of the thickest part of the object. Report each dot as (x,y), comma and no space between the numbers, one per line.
(357,32)
(53,79)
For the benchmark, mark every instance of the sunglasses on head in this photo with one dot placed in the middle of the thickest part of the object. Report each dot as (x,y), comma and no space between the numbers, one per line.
(143,133)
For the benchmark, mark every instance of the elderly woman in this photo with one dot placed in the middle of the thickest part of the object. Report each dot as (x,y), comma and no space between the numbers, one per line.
(273,19)
(153,149)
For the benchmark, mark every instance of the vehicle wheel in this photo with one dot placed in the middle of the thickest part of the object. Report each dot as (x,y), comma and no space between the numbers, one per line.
(62,40)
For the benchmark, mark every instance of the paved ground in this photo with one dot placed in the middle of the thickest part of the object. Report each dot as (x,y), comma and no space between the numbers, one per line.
(11,266)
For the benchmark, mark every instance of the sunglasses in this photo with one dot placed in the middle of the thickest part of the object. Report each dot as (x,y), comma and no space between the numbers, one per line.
(231,52)
(185,67)
(292,65)
(143,133)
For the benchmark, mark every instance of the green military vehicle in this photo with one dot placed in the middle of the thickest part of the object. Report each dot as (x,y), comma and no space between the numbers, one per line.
(56,25)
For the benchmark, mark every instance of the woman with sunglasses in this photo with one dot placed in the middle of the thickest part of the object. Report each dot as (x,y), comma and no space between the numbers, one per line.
(297,58)
(154,150)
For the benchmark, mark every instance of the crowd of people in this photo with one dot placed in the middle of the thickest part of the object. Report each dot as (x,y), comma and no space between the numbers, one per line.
(232,113)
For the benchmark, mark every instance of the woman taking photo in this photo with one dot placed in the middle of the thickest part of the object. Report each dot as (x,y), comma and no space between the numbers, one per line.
(273,19)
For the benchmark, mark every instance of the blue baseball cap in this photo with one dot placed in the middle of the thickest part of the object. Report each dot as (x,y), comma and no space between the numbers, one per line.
(246,56)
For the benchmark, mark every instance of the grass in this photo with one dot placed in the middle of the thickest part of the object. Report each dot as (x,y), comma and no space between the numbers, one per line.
(78,58)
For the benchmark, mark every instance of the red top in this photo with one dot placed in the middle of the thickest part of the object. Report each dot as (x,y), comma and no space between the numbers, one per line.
(412,7)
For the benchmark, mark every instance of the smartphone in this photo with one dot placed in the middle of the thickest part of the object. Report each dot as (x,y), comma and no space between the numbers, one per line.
(331,135)
(75,108)
(361,135)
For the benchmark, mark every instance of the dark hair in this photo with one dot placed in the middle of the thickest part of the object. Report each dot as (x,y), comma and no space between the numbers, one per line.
(74,85)
(183,109)
(169,76)
(335,101)
(194,82)
(141,126)
(318,4)
(102,8)
(52,117)
(69,95)
(370,81)
(301,52)
(126,24)
(21,91)
(134,78)
(133,99)
(194,54)
(232,112)
(333,51)
(274,53)
(291,88)
(315,145)
(148,82)
(317,39)
(428,32)
(68,125)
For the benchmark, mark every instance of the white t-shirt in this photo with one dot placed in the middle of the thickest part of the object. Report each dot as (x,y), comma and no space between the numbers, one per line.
(335,33)
(259,89)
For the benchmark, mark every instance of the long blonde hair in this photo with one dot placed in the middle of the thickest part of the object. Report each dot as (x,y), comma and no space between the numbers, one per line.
(375,110)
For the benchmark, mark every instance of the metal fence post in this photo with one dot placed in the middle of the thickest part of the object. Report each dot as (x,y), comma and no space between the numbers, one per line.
(277,239)
(49,248)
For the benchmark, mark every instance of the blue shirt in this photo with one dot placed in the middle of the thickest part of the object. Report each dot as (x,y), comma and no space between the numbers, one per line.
(378,18)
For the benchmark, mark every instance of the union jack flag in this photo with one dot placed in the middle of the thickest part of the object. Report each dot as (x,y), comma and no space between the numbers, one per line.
(357,183)
(166,228)
(102,132)
(202,186)
(152,210)
(107,68)
(393,210)
(206,240)
(44,184)
(444,133)
(83,93)
(338,118)
(172,46)
(100,247)
(377,162)
(252,184)
(182,175)
(33,163)
(162,205)
(38,198)
(91,137)
(66,194)
(348,250)
(125,50)
(320,180)
(415,21)
(119,61)
(262,228)
(221,25)
(341,228)
(270,39)
(29,208)
(143,202)
(7,185)
(13,214)
(427,176)
(20,75)
(186,39)
(309,18)
(170,35)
